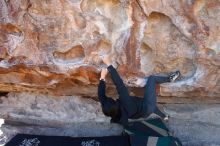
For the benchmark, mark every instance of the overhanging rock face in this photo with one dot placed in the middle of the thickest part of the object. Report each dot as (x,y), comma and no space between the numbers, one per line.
(55,46)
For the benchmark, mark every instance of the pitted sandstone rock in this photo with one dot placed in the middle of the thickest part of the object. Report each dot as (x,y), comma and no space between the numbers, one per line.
(55,46)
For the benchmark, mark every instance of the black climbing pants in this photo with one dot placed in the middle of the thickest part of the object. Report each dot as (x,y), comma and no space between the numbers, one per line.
(150,97)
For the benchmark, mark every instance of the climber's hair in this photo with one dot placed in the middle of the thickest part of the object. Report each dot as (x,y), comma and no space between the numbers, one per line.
(110,108)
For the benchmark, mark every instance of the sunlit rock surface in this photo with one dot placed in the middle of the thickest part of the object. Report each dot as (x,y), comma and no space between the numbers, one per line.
(55,46)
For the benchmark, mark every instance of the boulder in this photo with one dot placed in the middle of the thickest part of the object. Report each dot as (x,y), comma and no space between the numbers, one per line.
(55,46)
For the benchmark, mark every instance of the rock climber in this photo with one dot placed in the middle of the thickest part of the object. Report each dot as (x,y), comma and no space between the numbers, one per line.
(126,106)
